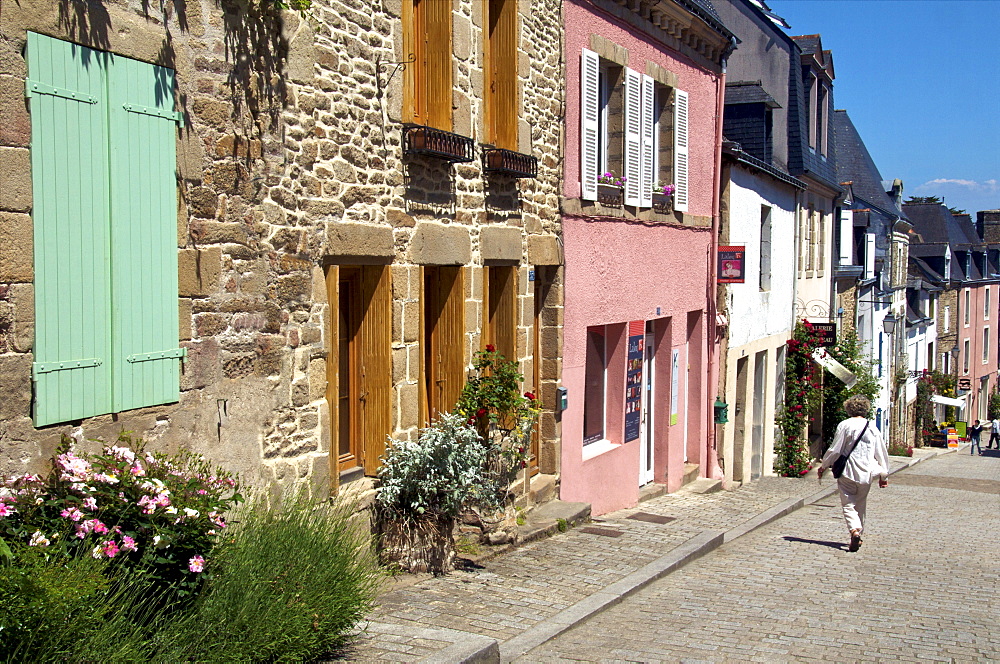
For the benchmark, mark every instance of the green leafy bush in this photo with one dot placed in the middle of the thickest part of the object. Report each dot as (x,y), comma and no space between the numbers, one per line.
(439,474)
(289,584)
(46,601)
(138,510)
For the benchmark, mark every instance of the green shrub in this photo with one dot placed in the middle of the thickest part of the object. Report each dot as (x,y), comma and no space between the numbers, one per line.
(46,602)
(289,584)
(140,510)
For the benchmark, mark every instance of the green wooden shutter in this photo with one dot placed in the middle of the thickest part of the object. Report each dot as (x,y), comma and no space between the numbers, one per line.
(69,159)
(143,187)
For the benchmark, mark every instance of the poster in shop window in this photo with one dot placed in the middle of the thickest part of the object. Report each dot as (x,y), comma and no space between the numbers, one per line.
(675,373)
(732,264)
(633,384)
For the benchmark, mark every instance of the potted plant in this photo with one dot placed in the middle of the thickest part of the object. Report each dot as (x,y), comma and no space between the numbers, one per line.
(663,197)
(611,190)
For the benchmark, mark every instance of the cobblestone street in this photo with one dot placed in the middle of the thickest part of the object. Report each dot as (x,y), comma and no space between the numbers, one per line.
(923,586)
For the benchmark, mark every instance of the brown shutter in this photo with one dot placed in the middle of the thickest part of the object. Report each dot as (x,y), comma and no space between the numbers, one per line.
(437,84)
(502,65)
(444,338)
(502,310)
(375,352)
(451,350)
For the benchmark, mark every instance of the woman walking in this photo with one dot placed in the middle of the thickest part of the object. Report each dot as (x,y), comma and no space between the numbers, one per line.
(858,437)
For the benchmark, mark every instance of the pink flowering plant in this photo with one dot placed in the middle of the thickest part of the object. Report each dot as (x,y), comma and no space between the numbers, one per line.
(664,189)
(126,506)
(612,179)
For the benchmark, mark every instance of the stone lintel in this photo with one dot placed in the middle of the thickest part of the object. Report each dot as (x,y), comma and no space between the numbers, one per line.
(544,250)
(661,75)
(500,244)
(437,244)
(608,50)
(348,242)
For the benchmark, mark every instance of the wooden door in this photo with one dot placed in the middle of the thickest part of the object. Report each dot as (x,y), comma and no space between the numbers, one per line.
(443,338)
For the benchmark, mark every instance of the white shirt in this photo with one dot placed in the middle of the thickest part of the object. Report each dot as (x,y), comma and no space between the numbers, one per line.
(995,426)
(869,459)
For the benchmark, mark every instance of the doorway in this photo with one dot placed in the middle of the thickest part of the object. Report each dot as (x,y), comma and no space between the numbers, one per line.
(647,426)
(759,404)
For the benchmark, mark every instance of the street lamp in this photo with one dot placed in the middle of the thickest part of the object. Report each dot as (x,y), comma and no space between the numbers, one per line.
(955,353)
(889,324)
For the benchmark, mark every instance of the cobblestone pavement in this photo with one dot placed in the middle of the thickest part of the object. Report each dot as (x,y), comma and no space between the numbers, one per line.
(923,587)
(515,592)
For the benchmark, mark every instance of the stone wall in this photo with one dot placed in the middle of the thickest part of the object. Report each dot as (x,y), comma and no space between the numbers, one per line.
(290,160)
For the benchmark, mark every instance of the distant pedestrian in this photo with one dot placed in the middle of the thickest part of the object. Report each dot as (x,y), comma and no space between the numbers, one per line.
(975,432)
(858,437)
(994,433)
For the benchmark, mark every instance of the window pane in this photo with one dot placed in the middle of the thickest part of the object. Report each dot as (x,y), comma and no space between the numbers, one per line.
(593,398)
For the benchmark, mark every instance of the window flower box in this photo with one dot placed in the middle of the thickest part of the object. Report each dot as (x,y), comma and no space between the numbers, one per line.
(437,143)
(508,162)
(610,195)
(663,203)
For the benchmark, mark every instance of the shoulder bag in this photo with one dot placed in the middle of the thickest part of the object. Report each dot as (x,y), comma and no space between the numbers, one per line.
(838,465)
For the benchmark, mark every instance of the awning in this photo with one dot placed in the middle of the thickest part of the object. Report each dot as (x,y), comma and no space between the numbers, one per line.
(948,401)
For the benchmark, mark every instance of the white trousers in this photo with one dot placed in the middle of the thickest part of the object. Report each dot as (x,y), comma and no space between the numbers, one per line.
(853,498)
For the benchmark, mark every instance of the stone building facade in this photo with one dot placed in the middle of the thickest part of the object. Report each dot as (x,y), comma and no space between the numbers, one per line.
(309,233)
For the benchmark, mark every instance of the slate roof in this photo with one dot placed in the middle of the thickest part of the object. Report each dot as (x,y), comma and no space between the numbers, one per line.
(706,11)
(749,92)
(922,268)
(935,224)
(854,163)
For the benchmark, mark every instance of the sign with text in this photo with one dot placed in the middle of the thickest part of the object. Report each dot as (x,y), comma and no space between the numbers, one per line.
(732,264)
(633,381)
(827,333)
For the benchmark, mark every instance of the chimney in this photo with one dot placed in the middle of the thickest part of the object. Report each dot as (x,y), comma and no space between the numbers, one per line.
(988,225)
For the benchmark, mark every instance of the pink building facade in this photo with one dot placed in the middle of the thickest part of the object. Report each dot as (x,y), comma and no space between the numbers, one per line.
(643,103)
(977,324)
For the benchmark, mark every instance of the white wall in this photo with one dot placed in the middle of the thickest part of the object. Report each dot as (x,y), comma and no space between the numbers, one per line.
(754,314)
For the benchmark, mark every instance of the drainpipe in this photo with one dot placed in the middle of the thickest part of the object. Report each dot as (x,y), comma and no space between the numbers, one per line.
(712,468)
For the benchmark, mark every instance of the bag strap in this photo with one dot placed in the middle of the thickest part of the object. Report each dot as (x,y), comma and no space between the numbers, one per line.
(858,440)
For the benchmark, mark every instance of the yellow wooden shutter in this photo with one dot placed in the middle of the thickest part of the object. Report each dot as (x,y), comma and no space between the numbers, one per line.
(502,310)
(437,83)
(502,99)
(375,352)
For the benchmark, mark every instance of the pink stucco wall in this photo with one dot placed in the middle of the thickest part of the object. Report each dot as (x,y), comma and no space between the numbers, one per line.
(974,333)
(619,271)
(615,273)
(701,85)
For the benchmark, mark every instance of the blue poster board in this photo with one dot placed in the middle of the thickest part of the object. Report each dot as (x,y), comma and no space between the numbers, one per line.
(633,388)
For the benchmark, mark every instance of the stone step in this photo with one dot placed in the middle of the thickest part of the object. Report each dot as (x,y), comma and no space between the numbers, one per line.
(691,472)
(704,485)
(651,490)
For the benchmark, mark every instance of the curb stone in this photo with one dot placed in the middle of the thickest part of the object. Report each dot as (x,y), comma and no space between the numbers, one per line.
(473,648)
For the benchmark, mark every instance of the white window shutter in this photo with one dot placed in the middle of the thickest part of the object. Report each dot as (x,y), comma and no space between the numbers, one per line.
(589,123)
(649,174)
(681,150)
(633,136)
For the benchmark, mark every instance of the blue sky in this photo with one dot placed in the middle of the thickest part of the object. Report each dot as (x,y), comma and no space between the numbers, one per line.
(921,81)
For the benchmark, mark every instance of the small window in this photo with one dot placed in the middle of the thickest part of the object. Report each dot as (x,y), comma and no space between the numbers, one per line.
(968,306)
(765,248)
(986,345)
(986,304)
(965,356)
(947,318)
(595,385)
